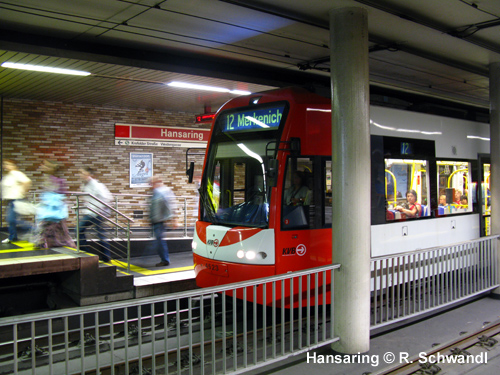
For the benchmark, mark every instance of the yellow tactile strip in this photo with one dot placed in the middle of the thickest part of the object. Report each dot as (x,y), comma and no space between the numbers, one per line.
(23,246)
(147,272)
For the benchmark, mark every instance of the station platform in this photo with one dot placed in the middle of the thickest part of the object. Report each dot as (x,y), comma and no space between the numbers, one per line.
(54,274)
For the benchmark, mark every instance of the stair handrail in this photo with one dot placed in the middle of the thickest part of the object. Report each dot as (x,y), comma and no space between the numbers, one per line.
(100,215)
(78,207)
(78,194)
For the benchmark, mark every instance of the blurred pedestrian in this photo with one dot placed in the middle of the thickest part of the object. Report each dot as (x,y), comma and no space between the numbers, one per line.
(161,211)
(97,212)
(15,184)
(52,211)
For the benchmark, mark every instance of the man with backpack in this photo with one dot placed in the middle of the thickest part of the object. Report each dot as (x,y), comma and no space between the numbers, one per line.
(162,208)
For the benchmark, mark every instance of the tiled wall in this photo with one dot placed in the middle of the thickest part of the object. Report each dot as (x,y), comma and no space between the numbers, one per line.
(80,135)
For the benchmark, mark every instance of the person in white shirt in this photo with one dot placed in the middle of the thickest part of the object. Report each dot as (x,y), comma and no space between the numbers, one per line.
(90,218)
(15,185)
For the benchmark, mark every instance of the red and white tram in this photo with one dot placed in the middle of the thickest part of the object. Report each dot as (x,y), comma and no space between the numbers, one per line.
(265,194)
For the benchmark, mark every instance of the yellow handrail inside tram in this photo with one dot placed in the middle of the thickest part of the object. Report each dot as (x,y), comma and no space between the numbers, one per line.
(395,190)
(458,170)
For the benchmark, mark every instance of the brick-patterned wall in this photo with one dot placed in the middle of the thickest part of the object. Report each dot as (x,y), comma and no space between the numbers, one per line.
(78,135)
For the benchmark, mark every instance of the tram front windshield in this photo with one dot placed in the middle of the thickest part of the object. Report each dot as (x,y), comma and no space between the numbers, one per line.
(234,190)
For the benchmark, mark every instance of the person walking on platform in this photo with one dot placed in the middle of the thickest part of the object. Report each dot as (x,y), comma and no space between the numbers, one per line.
(52,210)
(15,184)
(161,209)
(95,215)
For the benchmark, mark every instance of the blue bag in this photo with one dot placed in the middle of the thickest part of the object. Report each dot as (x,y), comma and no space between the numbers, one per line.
(52,207)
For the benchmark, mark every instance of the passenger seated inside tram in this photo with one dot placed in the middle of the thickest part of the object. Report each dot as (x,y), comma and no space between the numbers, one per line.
(298,194)
(442,200)
(413,208)
(464,201)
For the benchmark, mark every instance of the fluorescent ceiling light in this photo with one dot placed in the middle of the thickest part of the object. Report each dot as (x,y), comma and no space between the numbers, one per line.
(239,92)
(185,85)
(478,137)
(250,153)
(318,110)
(47,69)
(403,130)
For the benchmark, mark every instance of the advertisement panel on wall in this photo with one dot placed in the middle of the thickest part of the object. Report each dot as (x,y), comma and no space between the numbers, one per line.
(141,169)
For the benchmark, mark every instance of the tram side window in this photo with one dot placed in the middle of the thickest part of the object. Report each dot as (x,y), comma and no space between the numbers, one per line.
(328,193)
(485,201)
(298,203)
(406,189)
(454,187)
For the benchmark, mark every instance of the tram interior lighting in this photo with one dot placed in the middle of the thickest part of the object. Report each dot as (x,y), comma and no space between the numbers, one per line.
(46,69)
(193,86)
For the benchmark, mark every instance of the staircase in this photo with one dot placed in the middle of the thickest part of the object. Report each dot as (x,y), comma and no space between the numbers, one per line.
(95,282)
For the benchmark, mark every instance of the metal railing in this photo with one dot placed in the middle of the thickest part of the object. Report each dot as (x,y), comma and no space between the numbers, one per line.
(410,284)
(101,212)
(204,331)
(136,207)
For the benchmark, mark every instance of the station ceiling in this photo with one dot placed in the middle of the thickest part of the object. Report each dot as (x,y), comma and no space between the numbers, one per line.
(438,49)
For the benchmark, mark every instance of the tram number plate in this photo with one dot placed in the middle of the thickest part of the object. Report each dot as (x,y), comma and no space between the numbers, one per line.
(217,269)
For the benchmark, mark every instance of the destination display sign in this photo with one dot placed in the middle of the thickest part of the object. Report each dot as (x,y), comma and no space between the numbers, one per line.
(256,119)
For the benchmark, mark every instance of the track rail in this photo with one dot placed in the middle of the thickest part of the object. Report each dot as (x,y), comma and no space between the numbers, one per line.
(459,356)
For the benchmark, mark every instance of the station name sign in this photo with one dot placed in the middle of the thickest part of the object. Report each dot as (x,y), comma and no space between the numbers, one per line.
(159,136)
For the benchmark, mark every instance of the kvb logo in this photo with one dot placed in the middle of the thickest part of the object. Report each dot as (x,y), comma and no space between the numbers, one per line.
(214,243)
(301,250)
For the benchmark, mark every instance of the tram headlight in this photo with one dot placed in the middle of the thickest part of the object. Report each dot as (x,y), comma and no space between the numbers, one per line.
(250,255)
(240,254)
(194,245)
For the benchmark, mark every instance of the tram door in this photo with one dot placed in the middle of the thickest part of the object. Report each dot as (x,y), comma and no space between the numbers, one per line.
(484,195)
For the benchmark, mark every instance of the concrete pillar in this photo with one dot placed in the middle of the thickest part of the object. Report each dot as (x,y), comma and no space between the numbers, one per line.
(351,177)
(495,153)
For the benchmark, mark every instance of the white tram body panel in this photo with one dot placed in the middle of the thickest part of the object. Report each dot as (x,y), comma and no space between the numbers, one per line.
(454,139)
(402,237)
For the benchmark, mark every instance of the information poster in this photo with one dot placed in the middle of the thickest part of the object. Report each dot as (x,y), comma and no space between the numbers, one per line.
(141,169)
